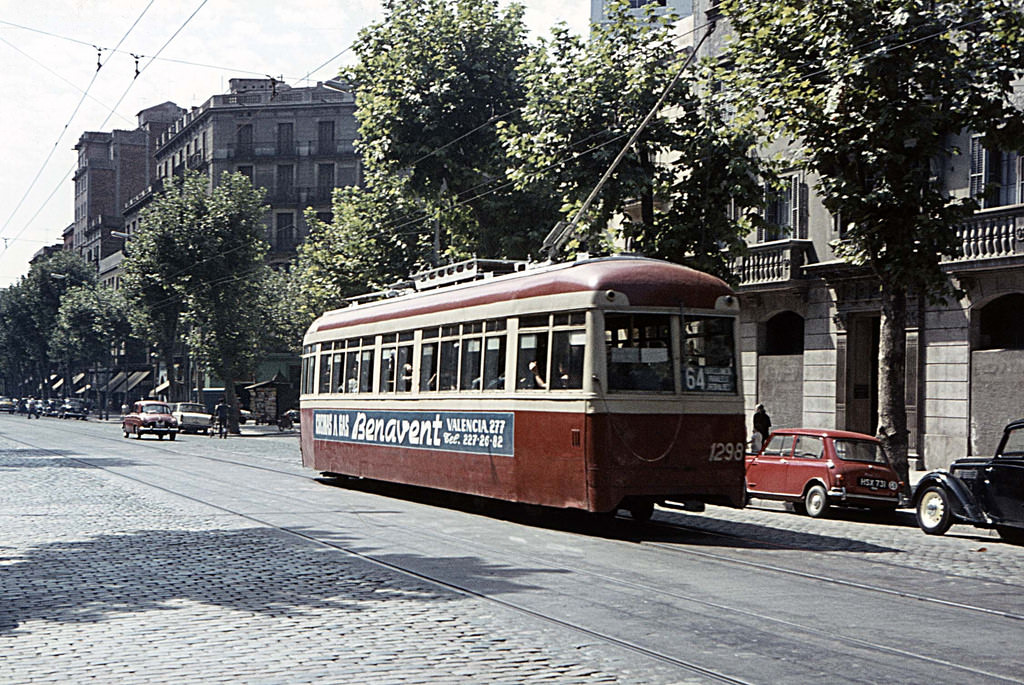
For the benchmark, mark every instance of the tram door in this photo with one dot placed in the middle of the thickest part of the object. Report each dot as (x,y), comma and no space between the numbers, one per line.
(862,374)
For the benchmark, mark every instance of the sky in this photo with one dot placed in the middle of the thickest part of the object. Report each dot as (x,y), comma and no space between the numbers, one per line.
(186,52)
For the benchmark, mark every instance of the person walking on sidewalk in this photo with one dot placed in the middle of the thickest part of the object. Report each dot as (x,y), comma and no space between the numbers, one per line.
(220,414)
(762,423)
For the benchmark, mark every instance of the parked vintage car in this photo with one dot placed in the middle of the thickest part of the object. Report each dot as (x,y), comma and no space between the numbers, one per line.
(150,416)
(814,468)
(73,408)
(8,405)
(192,417)
(244,416)
(987,492)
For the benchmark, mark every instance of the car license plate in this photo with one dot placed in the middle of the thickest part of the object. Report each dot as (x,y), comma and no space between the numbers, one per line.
(873,483)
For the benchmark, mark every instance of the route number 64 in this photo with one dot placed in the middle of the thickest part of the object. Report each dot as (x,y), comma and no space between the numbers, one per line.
(727,451)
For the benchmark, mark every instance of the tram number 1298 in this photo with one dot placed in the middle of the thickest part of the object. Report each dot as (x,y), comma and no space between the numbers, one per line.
(727,451)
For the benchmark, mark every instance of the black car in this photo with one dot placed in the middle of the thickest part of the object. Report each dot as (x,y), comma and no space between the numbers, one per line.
(73,408)
(987,492)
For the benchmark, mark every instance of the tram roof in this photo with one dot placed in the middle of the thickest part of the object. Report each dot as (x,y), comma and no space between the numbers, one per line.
(644,281)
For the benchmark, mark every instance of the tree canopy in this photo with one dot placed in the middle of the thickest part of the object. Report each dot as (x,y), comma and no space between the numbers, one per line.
(205,248)
(872,95)
(584,100)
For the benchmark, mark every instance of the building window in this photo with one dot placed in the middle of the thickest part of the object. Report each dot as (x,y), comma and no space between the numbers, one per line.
(325,179)
(285,180)
(785,211)
(244,139)
(246,170)
(995,179)
(325,138)
(284,231)
(286,139)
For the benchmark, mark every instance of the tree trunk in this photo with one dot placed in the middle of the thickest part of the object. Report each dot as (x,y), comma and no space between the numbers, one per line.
(231,399)
(892,374)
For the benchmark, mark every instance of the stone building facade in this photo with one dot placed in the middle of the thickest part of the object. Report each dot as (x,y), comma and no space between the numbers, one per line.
(296,143)
(810,325)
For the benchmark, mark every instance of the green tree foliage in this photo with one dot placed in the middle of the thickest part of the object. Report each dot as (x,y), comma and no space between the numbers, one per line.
(586,97)
(90,319)
(30,313)
(432,79)
(872,93)
(206,248)
(375,238)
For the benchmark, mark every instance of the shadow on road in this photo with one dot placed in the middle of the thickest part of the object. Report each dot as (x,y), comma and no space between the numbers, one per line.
(258,570)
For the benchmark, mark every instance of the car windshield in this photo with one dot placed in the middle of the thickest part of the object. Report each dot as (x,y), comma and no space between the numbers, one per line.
(156,409)
(192,407)
(860,450)
(1014,442)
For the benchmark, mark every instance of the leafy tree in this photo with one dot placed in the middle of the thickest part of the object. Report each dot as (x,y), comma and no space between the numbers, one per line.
(871,94)
(90,319)
(432,79)
(586,97)
(207,248)
(17,331)
(40,293)
(377,236)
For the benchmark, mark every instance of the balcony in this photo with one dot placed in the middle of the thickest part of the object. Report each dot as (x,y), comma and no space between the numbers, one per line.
(769,265)
(991,238)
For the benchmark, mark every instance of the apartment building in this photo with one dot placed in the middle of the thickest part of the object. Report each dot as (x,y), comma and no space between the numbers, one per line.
(297,143)
(112,167)
(810,326)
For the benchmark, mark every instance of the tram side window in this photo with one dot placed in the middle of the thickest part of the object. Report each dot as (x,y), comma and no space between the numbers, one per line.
(325,373)
(396,369)
(567,358)
(532,361)
(337,368)
(639,352)
(494,363)
(709,354)
(428,363)
(472,358)
(366,371)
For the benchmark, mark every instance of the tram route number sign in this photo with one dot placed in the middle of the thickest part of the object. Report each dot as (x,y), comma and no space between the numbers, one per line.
(468,432)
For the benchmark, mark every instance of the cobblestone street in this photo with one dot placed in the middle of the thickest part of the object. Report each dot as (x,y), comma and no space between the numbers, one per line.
(106,578)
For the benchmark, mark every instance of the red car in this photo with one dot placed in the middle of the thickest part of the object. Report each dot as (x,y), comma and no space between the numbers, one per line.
(815,468)
(150,416)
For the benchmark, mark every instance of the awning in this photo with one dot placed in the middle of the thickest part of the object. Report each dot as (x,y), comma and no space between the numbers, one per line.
(276,381)
(78,378)
(60,382)
(137,377)
(116,381)
(160,388)
(85,388)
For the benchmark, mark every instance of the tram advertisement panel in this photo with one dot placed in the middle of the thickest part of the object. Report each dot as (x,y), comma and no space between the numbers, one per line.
(469,432)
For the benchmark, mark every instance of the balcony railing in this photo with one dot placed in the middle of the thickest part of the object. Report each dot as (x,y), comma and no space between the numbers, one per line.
(992,234)
(775,262)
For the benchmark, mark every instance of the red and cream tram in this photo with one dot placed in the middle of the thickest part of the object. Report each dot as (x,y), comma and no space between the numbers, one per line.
(598,385)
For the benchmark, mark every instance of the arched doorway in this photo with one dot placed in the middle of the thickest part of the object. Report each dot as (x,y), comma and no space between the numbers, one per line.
(997,367)
(780,372)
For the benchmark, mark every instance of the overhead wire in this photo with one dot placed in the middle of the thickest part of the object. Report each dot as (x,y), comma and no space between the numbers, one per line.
(49,156)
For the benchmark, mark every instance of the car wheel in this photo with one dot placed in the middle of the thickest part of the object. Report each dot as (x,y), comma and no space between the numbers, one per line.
(138,434)
(641,511)
(124,429)
(933,511)
(172,436)
(816,501)
(1011,534)
(160,435)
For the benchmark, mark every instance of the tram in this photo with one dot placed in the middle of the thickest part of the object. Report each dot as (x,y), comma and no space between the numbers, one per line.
(600,384)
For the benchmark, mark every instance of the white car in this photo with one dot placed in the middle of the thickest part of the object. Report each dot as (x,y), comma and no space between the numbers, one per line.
(192,417)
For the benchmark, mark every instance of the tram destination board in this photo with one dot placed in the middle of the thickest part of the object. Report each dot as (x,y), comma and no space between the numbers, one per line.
(469,432)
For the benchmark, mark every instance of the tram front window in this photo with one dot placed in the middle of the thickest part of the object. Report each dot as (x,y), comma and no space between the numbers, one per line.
(639,352)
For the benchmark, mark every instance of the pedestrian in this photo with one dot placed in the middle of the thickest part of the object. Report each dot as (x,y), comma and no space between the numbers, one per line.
(762,423)
(33,408)
(220,413)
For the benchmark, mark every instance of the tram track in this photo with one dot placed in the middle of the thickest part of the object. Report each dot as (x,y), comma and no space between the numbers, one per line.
(646,588)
